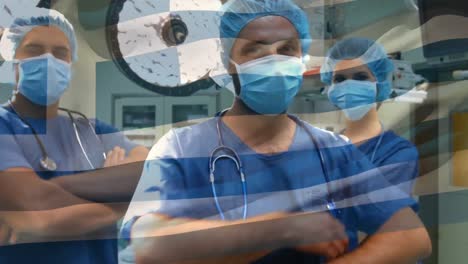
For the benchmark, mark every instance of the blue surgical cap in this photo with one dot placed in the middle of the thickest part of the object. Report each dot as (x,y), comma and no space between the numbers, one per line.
(371,53)
(13,36)
(238,13)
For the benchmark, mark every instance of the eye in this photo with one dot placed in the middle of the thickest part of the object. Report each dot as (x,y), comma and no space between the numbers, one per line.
(251,50)
(285,49)
(288,50)
(339,78)
(33,51)
(362,76)
(62,54)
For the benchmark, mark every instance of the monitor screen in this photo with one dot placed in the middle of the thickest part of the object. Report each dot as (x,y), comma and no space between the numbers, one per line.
(443,24)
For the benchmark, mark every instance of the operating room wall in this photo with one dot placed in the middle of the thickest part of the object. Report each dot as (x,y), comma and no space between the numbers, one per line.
(82,93)
(453,222)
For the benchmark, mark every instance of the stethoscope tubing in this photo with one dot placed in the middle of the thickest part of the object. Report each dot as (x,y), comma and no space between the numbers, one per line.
(331,206)
(45,160)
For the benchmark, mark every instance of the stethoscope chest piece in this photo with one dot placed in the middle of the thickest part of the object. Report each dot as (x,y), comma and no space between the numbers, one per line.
(48,164)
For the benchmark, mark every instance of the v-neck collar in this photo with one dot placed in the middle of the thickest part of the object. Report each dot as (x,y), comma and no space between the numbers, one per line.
(237,144)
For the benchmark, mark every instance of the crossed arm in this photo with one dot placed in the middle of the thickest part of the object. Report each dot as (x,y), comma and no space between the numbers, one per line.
(116,182)
(156,238)
(402,239)
(38,210)
(35,209)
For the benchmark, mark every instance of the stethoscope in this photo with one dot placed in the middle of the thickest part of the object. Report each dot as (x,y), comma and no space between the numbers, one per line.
(46,162)
(331,206)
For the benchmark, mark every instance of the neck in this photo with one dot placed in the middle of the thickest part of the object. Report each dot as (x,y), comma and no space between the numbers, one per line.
(257,130)
(26,108)
(361,130)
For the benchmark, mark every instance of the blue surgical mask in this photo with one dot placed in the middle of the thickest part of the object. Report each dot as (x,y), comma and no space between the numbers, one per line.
(269,84)
(354,98)
(43,79)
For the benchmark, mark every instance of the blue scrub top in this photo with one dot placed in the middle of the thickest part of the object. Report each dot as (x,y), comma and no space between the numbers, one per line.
(20,149)
(392,150)
(177,169)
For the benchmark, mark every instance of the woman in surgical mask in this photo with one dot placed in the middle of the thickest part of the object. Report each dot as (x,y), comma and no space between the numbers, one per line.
(358,75)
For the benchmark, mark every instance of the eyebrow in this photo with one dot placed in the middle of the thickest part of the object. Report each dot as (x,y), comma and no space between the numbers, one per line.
(32,45)
(61,48)
(35,45)
(265,42)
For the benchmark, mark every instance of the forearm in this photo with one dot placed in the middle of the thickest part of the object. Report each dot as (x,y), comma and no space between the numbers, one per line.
(402,239)
(204,240)
(407,246)
(239,259)
(65,223)
(112,184)
(23,190)
(37,208)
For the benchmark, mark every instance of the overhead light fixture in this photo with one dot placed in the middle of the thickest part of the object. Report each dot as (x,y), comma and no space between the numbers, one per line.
(169,46)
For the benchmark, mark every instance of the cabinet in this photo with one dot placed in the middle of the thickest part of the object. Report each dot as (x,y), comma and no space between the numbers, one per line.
(146,119)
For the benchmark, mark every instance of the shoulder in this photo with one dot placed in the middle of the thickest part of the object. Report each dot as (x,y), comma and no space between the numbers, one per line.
(8,121)
(326,138)
(394,144)
(191,141)
(337,149)
(198,131)
(100,126)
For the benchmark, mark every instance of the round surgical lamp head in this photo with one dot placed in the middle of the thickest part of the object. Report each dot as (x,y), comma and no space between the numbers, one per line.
(168,47)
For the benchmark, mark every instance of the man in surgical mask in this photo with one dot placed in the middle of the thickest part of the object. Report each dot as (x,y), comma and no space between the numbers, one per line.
(53,170)
(249,185)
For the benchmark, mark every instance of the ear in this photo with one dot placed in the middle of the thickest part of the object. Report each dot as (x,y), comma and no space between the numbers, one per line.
(378,106)
(236,82)
(231,68)
(235,77)
(16,71)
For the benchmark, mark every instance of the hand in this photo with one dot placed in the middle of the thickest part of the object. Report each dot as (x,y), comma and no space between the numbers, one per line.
(331,250)
(318,233)
(115,157)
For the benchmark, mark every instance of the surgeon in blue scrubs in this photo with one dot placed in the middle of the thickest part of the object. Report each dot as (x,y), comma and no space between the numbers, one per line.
(48,211)
(358,75)
(256,185)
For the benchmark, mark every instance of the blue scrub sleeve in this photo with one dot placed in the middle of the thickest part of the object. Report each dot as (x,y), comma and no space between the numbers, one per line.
(375,199)
(158,180)
(173,194)
(11,152)
(112,137)
(402,168)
